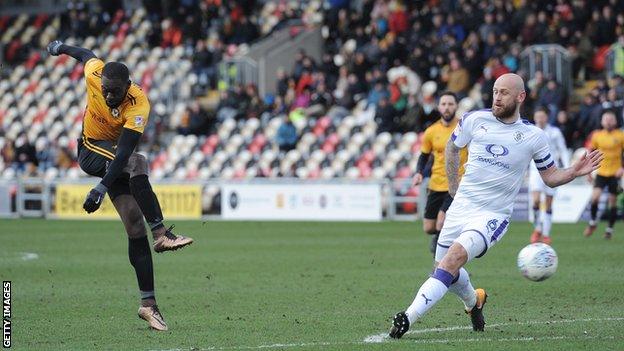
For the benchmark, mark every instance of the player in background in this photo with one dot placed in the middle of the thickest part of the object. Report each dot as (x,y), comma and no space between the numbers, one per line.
(434,144)
(115,117)
(560,155)
(500,148)
(610,141)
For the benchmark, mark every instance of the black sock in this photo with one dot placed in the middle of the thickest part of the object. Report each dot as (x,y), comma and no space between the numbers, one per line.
(612,216)
(141,259)
(145,197)
(594,210)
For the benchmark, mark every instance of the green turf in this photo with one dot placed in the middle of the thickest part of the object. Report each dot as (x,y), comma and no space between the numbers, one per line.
(312,286)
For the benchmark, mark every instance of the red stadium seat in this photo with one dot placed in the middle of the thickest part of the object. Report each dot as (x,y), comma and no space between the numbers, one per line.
(404,172)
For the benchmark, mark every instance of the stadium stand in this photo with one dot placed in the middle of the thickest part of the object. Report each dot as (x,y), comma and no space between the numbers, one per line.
(358,112)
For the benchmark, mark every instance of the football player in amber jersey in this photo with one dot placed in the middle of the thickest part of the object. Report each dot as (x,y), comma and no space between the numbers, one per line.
(115,117)
(434,143)
(610,141)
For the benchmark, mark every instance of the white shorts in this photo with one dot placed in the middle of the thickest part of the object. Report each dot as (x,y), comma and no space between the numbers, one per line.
(537,184)
(475,231)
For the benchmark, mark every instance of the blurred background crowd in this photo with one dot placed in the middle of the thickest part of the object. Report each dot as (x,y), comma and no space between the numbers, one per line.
(370,93)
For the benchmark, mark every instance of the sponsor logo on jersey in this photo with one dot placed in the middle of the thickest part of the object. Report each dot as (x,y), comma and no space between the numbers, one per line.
(497,150)
(138,121)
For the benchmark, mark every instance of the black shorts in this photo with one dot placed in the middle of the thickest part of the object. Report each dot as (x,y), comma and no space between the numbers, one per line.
(94,156)
(611,183)
(435,200)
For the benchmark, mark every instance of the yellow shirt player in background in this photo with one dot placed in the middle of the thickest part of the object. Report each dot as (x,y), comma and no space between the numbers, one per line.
(610,141)
(115,117)
(434,142)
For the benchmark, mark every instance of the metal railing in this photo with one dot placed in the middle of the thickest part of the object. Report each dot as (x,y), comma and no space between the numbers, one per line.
(553,60)
(260,64)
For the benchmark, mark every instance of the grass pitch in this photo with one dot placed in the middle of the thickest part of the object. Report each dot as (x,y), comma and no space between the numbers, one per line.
(300,286)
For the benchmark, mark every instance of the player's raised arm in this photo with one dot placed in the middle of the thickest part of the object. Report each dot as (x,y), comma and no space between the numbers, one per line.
(554,176)
(57,47)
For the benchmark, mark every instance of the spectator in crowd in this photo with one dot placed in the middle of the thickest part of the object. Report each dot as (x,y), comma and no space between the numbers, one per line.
(614,103)
(204,64)
(568,129)
(45,154)
(551,97)
(535,84)
(385,115)
(255,105)
(588,117)
(487,85)
(7,152)
(195,120)
(25,157)
(286,135)
(378,92)
(447,43)
(457,78)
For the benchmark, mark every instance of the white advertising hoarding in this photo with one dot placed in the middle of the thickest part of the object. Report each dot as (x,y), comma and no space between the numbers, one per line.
(324,202)
(570,202)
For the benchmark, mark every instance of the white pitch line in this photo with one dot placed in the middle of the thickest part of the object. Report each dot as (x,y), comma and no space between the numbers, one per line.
(377,338)
(27,256)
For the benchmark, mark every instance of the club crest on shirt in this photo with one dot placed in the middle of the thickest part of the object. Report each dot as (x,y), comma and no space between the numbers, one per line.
(518,137)
(115,112)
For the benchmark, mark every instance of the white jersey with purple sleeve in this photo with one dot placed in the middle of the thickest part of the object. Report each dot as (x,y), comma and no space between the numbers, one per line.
(498,157)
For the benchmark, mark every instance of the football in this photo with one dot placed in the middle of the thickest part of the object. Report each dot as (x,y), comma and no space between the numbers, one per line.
(537,262)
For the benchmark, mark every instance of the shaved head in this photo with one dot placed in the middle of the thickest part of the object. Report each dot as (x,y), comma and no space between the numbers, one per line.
(511,81)
(508,94)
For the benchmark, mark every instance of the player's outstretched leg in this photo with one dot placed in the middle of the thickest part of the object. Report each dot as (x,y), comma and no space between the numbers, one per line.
(164,239)
(432,290)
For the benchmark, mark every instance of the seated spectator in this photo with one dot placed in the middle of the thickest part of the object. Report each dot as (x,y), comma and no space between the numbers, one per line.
(377,93)
(385,115)
(194,121)
(551,97)
(457,78)
(25,157)
(203,64)
(568,129)
(255,105)
(618,54)
(320,100)
(588,117)
(45,154)
(614,103)
(286,137)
